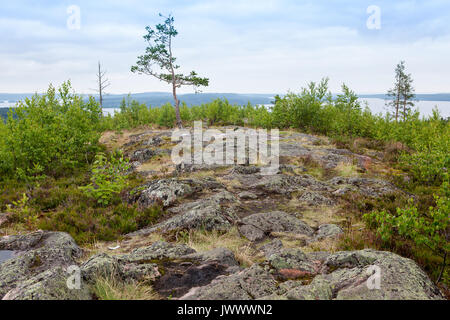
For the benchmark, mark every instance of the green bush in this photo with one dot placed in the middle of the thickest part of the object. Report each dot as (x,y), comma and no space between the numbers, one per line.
(87,224)
(51,134)
(428,229)
(108,178)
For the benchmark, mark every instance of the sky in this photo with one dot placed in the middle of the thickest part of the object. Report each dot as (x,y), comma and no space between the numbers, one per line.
(253,46)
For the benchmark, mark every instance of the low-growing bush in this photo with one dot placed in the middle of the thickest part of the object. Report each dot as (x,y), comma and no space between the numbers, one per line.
(50,134)
(109,178)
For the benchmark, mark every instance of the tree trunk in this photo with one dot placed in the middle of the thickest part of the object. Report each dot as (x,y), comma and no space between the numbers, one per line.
(397,105)
(442,268)
(174,87)
(100,85)
(177,107)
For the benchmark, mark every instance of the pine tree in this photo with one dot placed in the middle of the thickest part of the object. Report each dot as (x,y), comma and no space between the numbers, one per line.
(159,62)
(402,94)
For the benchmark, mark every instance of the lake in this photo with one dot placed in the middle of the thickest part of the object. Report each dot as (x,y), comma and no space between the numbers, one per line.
(425,107)
(376,105)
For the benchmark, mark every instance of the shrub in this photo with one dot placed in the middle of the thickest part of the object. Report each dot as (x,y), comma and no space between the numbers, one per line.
(429,230)
(108,178)
(49,134)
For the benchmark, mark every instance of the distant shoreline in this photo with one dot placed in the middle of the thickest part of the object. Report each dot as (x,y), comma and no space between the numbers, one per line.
(376,105)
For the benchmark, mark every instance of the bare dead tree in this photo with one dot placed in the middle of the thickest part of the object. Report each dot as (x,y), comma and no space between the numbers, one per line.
(102,83)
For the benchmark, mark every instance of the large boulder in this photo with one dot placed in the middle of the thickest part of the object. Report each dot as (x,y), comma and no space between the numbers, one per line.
(251,283)
(257,226)
(167,191)
(351,275)
(48,285)
(327,231)
(35,253)
(213,213)
(366,186)
(172,269)
(293,261)
(157,251)
(401,278)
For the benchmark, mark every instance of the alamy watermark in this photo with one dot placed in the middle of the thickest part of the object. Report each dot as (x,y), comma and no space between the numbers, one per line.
(73,282)
(234,146)
(374,20)
(374,280)
(74,18)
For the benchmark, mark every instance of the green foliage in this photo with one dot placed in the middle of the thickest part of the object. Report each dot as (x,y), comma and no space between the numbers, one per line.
(21,211)
(87,224)
(166,116)
(402,93)
(108,178)
(51,134)
(428,229)
(159,62)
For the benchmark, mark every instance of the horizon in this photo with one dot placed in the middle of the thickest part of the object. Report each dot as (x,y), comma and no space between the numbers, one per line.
(259,47)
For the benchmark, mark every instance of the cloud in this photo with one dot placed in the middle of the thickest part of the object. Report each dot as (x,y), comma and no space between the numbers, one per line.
(243,46)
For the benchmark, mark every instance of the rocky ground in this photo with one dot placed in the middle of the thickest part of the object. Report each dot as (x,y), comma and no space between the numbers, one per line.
(229,232)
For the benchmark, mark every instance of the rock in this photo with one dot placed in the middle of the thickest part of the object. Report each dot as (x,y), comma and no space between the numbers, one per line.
(272,247)
(220,255)
(209,214)
(319,256)
(293,259)
(318,289)
(36,252)
(247,195)
(328,231)
(314,198)
(246,170)
(167,191)
(153,142)
(401,278)
(48,285)
(257,226)
(291,168)
(183,167)
(100,265)
(157,251)
(142,155)
(367,187)
(251,283)
(179,278)
(284,184)
(139,272)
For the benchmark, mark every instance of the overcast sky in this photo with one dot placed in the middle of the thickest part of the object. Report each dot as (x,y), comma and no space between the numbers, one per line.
(256,46)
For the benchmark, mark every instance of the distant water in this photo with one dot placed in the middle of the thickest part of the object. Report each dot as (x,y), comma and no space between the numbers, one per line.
(7,104)
(376,105)
(110,111)
(425,107)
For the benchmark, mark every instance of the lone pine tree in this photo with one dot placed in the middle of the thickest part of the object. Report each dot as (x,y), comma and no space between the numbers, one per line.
(402,94)
(159,62)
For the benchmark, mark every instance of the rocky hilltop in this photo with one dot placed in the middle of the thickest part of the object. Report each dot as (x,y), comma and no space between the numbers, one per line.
(229,232)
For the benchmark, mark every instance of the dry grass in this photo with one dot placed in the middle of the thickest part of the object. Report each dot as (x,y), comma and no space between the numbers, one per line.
(323,215)
(204,241)
(346,170)
(230,183)
(329,245)
(112,289)
(125,246)
(162,164)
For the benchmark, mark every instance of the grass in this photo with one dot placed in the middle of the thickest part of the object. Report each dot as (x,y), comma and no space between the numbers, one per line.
(346,170)
(112,289)
(59,205)
(201,241)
